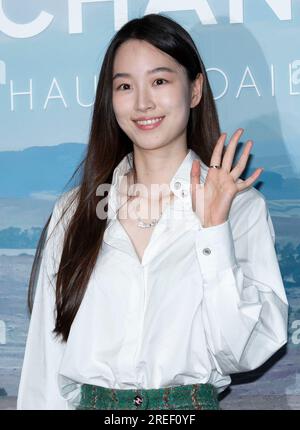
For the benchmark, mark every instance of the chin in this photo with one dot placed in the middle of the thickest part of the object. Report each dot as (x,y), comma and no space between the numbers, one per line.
(150,146)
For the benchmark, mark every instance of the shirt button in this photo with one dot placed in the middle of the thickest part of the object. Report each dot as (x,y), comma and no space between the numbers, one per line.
(206,251)
(177,185)
(138,400)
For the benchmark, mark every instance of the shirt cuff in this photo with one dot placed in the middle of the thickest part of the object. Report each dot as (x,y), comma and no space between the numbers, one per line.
(215,249)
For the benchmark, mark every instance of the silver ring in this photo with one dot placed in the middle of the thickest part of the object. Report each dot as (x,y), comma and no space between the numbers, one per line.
(216,167)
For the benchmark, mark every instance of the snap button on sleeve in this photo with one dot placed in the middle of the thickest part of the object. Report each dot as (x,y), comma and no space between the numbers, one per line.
(206,251)
(177,185)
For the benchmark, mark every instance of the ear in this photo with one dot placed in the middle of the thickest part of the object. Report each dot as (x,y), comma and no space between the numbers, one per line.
(196,93)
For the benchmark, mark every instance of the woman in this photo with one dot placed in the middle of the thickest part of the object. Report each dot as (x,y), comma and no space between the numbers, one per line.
(153,311)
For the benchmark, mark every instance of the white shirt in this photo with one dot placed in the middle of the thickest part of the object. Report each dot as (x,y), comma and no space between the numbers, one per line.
(204,303)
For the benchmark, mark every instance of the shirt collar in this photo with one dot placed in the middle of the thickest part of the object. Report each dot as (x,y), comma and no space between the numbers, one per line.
(179,184)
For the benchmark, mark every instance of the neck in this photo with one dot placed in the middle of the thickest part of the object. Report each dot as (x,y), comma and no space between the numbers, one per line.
(155,170)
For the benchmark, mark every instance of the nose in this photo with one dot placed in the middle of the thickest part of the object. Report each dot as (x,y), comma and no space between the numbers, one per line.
(144,100)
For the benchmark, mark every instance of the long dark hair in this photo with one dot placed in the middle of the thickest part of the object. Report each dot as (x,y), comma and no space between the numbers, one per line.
(107,145)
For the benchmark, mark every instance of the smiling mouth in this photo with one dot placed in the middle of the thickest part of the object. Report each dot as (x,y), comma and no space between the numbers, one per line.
(149,124)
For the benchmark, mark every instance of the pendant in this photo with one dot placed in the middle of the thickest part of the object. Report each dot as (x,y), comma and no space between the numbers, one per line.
(143,224)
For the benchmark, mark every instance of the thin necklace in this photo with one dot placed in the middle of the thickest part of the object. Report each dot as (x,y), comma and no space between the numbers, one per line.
(152,223)
(143,224)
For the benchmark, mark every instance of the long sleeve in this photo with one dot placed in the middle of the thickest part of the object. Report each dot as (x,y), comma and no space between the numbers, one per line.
(245,309)
(38,387)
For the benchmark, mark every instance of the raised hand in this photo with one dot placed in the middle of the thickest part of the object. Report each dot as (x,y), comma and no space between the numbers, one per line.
(212,201)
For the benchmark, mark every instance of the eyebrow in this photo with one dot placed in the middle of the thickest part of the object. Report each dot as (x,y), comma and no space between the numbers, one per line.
(157,69)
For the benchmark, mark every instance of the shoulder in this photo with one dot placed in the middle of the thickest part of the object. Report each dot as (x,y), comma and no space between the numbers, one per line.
(248,207)
(250,197)
(66,202)
(67,198)
(63,209)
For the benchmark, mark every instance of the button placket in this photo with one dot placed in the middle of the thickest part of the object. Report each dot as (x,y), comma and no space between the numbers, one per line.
(180,188)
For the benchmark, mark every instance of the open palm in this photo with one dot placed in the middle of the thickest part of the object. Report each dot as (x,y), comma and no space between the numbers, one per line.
(212,201)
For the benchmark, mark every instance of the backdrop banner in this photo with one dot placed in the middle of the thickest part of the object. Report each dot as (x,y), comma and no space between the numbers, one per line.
(51,53)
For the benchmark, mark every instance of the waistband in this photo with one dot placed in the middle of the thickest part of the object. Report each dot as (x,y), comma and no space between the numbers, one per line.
(194,396)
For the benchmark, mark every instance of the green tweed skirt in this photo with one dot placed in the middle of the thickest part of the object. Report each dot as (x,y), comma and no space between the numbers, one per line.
(183,397)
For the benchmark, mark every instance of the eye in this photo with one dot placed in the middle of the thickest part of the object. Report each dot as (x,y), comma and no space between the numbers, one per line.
(119,87)
(160,79)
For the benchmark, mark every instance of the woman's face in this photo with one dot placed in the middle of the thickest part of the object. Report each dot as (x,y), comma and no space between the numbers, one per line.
(145,94)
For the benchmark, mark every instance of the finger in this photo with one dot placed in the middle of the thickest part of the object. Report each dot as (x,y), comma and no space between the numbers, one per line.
(195,180)
(249,181)
(216,157)
(195,172)
(230,150)
(241,164)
